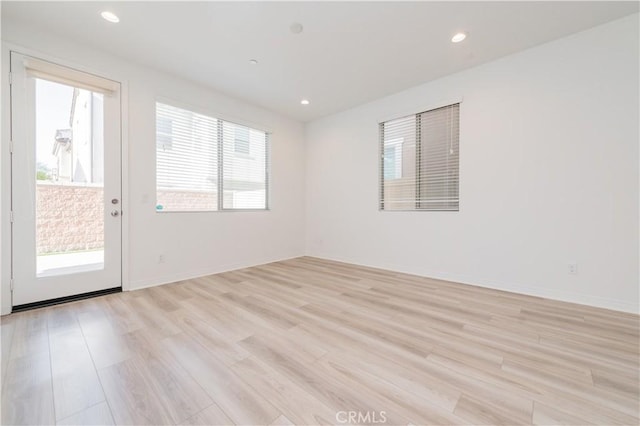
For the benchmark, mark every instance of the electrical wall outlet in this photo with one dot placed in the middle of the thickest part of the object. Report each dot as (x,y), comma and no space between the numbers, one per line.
(572,268)
(161,258)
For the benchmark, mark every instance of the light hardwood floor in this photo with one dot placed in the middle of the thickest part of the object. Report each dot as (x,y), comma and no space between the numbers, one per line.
(308,341)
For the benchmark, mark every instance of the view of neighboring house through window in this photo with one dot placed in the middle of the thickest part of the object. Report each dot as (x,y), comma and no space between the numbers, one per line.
(241,144)
(393,159)
(163,132)
(207,164)
(420,161)
(69,151)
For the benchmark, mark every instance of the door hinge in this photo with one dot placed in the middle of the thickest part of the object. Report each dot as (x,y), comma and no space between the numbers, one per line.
(10,146)
(10,78)
(11,216)
(11,284)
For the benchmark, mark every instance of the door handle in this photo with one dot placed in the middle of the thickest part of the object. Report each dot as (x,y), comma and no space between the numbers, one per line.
(115,213)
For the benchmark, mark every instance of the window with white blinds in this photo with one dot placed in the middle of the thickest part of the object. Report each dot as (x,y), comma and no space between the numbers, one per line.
(420,161)
(207,164)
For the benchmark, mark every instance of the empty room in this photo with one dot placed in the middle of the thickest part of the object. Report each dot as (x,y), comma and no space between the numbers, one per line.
(320,213)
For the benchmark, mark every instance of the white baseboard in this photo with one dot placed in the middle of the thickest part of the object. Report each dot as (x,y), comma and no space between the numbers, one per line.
(5,310)
(167,279)
(564,296)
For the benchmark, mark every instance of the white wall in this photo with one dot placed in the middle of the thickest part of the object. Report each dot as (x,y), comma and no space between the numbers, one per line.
(549,176)
(192,243)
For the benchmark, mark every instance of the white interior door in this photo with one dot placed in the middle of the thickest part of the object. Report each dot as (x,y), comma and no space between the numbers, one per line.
(66,181)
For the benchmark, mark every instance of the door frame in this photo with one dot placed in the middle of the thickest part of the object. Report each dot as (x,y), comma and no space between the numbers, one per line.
(6,238)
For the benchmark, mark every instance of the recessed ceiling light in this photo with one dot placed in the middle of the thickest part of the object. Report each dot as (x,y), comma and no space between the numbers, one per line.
(458,37)
(110,16)
(296,28)
(253,61)
(305,102)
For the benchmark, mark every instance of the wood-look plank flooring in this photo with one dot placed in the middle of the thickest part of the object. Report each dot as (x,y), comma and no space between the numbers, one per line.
(309,341)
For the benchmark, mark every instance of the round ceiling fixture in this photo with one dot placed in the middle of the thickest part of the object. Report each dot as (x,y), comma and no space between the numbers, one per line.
(305,102)
(110,16)
(458,37)
(296,28)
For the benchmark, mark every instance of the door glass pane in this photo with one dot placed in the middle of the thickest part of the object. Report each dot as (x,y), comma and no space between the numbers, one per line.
(69,179)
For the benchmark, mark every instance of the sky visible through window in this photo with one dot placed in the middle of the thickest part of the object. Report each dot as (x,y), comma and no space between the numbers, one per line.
(53,109)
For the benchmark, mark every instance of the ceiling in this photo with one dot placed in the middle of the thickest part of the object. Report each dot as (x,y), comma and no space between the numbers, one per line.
(348,53)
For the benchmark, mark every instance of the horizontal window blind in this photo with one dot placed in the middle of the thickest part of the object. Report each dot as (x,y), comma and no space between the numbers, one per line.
(399,164)
(420,161)
(198,167)
(244,167)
